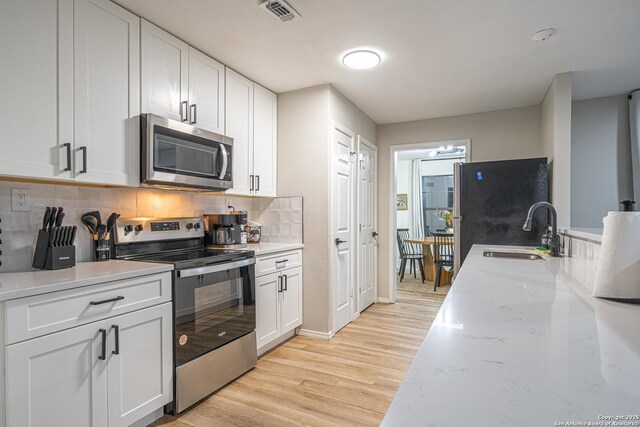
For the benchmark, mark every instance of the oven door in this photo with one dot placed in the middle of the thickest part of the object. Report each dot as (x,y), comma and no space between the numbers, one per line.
(213,306)
(178,154)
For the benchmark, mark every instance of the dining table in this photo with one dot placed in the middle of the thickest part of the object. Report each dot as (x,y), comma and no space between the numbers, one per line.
(429,267)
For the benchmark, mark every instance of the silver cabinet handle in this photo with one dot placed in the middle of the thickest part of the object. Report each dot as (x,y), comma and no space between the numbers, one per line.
(250,182)
(192,113)
(286,282)
(183,111)
(84,160)
(257,183)
(67,146)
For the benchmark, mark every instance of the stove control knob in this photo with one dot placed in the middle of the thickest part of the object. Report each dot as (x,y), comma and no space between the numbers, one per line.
(189,226)
(139,228)
(128,229)
(196,226)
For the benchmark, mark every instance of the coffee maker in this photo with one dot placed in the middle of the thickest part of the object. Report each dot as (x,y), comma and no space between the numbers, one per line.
(225,229)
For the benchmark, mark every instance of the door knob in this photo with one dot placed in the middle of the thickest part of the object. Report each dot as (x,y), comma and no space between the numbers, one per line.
(338,241)
(374,234)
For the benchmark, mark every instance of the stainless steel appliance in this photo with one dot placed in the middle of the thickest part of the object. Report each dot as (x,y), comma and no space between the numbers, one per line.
(223,230)
(177,155)
(492,198)
(213,302)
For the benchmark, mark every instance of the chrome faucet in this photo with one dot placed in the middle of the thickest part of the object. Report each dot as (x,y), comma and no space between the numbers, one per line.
(554,241)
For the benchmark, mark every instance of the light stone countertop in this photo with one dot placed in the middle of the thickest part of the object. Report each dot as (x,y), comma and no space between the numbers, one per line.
(34,282)
(268,248)
(522,343)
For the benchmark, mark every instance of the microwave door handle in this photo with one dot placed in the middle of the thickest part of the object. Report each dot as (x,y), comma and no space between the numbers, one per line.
(225,161)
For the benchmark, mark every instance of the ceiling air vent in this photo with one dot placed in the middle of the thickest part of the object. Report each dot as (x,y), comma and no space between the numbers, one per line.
(280,9)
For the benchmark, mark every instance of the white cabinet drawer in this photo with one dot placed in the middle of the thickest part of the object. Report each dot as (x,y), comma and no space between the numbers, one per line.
(274,262)
(44,314)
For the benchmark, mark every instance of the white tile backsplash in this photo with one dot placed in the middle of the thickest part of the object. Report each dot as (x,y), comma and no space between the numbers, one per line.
(19,229)
(281,219)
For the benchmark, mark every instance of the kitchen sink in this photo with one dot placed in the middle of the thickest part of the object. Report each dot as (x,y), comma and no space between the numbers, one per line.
(513,255)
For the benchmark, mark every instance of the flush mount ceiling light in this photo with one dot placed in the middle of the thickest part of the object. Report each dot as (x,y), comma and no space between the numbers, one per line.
(361,59)
(542,35)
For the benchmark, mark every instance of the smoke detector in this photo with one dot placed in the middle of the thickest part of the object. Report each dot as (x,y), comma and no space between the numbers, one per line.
(542,35)
(280,10)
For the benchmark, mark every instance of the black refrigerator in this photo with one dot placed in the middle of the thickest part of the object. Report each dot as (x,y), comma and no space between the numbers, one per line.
(491,201)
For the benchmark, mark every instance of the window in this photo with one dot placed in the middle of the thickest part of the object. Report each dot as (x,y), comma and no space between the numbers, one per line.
(437,195)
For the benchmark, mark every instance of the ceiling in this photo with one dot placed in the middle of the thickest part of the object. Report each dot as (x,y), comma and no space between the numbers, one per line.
(440,57)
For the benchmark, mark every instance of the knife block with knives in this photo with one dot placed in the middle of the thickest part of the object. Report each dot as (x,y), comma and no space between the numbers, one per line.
(54,246)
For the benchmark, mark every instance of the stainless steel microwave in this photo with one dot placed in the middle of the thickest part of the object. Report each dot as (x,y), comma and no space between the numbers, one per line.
(178,155)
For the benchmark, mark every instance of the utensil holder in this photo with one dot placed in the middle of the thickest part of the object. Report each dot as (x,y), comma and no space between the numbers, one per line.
(101,250)
(48,257)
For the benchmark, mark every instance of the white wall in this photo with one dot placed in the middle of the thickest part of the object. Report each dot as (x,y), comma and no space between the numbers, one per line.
(438,167)
(404,218)
(555,125)
(601,166)
(496,135)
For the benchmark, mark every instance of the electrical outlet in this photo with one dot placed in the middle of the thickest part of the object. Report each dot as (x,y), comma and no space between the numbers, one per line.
(20,200)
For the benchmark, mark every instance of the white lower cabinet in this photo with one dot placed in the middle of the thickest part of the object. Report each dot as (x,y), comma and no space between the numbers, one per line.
(110,372)
(278,303)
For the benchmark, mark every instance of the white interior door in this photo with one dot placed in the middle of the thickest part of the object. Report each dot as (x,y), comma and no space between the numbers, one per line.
(367,249)
(342,223)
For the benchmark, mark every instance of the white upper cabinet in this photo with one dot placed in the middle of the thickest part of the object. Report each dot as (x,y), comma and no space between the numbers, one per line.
(265,137)
(239,126)
(70,91)
(206,92)
(179,82)
(36,47)
(106,95)
(164,70)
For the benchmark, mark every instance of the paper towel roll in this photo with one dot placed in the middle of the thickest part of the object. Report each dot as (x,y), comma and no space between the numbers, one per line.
(618,274)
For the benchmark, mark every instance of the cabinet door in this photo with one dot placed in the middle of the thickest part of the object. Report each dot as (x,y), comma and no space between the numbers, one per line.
(164,73)
(265,123)
(106,92)
(239,126)
(206,92)
(291,299)
(58,380)
(140,363)
(36,47)
(267,309)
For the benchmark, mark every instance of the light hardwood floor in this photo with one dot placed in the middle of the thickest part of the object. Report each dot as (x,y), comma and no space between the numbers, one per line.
(349,380)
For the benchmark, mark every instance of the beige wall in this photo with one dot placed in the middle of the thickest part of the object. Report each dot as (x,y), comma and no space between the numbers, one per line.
(497,135)
(302,158)
(304,118)
(555,130)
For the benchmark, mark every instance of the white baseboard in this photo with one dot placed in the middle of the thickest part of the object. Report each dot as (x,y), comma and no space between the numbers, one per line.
(384,300)
(316,334)
(262,350)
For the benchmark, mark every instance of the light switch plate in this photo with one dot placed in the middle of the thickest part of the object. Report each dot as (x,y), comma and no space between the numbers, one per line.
(20,200)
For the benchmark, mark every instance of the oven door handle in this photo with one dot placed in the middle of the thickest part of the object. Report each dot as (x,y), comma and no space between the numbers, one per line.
(215,268)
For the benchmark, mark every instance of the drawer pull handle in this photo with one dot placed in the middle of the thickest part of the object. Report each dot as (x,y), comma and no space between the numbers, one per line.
(117,337)
(103,332)
(106,301)
(282,261)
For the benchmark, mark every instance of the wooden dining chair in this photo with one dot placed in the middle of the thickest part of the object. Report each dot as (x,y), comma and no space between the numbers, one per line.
(442,254)
(409,252)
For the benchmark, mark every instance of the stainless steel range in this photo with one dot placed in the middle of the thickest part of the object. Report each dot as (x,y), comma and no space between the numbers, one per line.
(213,302)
